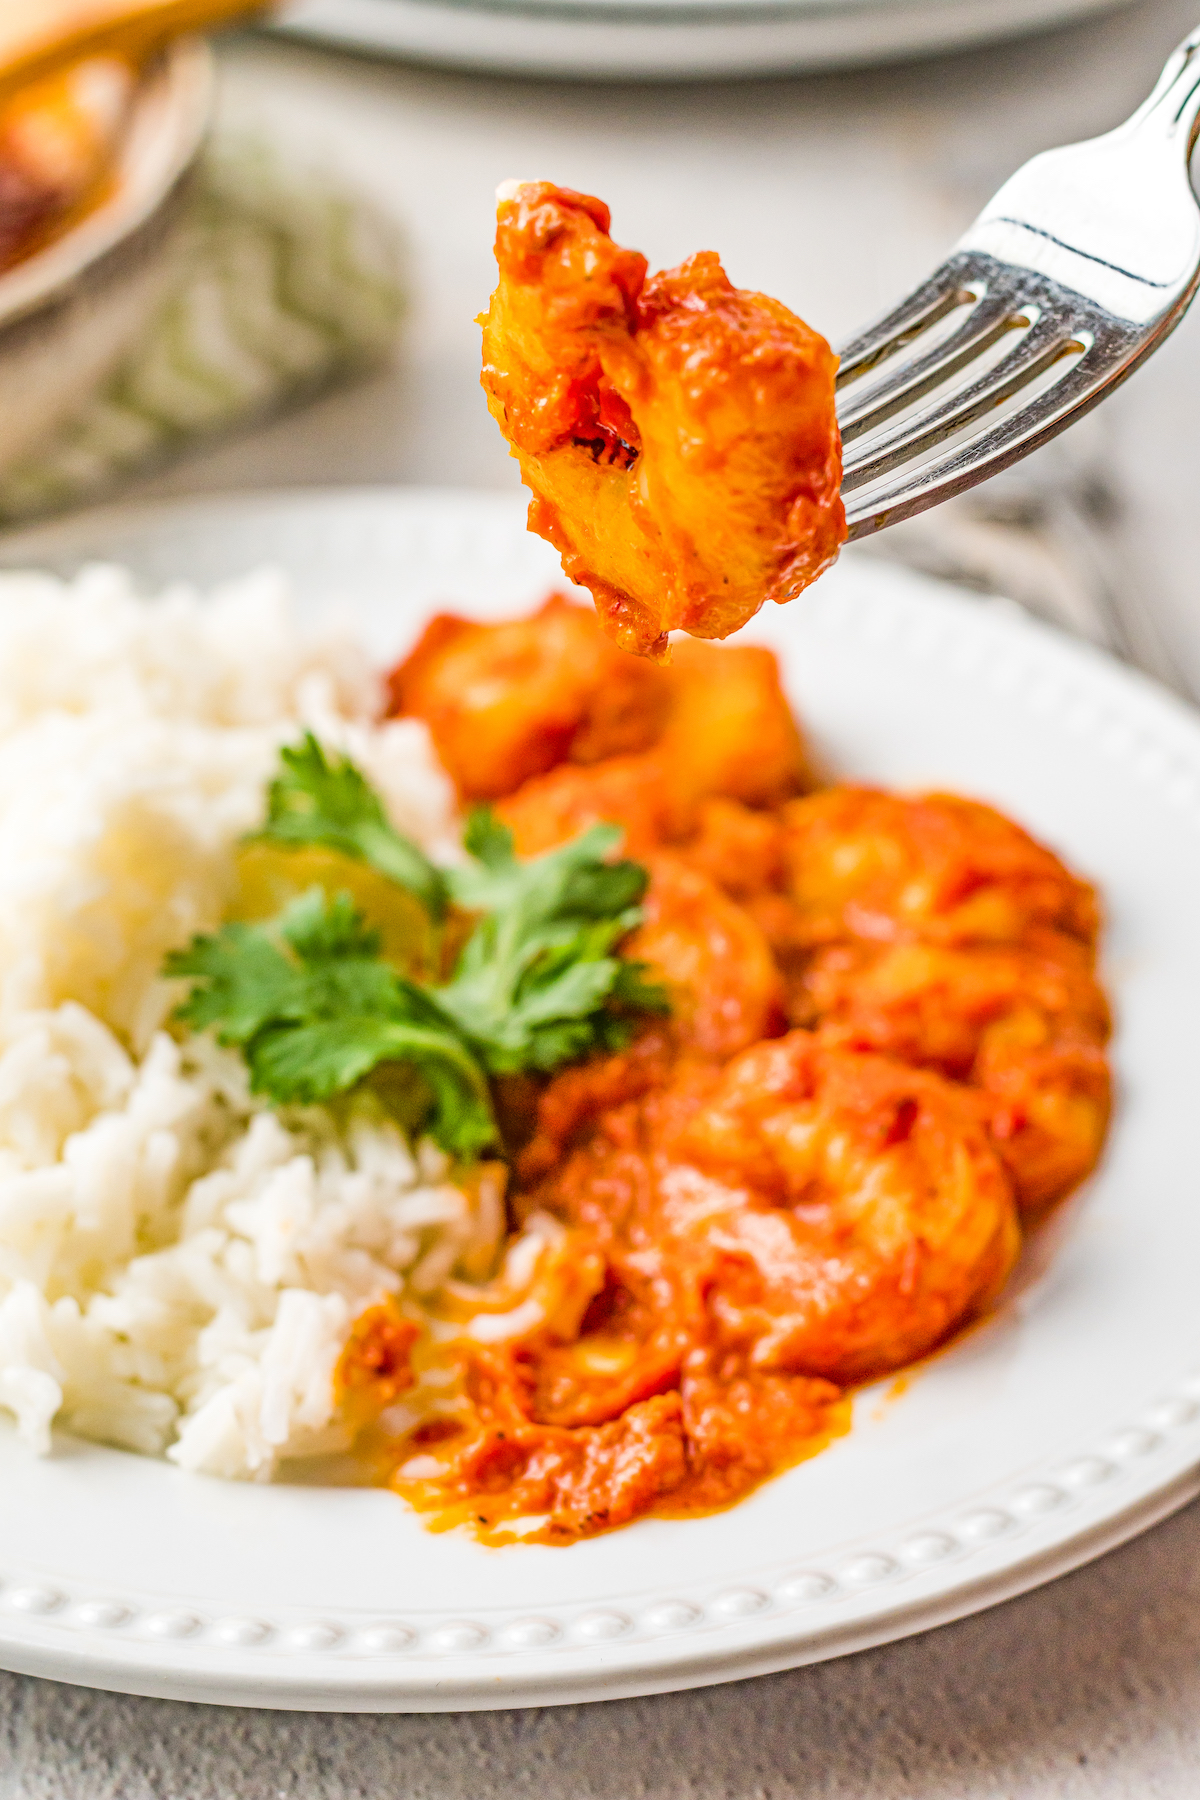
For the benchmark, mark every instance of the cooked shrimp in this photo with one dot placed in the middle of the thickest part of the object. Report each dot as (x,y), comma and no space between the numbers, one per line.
(678,433)
(936,868)
(738,847)
(806,1217)
(726,991)
(1046,1090)
(935,1006)
(939,932)
(837,1212)
(631,791)
(867,1214)
(727,730)
(1024,1026)
(747,1222)
(509,701)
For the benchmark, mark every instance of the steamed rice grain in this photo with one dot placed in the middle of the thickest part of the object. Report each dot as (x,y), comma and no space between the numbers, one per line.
(179,1267)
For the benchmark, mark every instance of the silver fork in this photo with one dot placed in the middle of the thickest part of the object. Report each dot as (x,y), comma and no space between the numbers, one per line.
(1070,277)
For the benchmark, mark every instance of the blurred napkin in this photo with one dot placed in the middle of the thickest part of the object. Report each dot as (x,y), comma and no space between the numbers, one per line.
(1049,534)
(287,283)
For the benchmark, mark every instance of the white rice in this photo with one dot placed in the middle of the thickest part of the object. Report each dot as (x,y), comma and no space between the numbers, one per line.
(179,1267)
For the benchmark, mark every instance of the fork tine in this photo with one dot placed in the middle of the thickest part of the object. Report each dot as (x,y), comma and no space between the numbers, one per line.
(993,315)
(924,307)
(1047,341)
(1098,243)
(920,484)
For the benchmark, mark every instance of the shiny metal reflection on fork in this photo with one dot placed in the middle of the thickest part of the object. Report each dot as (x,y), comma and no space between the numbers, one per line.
(1071,276)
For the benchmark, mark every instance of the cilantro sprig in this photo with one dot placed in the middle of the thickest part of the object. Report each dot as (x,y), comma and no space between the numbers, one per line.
(536,983)
(315,1009)
(318,798)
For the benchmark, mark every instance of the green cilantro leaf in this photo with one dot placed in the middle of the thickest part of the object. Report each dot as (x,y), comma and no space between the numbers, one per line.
(242,981)
(312,1062)
(487,839)
(536,980)
(324,799)
(315,1011)
(322,928)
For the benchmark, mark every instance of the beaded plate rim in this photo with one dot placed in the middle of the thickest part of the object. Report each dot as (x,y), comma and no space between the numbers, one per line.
(1016,1535)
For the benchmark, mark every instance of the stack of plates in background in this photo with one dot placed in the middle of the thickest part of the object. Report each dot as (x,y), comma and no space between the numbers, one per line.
(613,40)
(71,311)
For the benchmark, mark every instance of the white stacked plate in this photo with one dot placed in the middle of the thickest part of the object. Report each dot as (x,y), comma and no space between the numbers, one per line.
(614,40)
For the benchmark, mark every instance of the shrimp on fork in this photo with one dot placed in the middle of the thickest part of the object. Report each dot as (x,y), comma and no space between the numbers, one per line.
(678,433)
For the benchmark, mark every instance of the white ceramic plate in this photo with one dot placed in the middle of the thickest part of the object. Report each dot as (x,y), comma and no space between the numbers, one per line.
(669,40)
(1069,1422)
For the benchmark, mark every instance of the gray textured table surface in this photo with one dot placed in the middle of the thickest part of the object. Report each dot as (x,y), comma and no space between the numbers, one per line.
(1089,1688)
(835,193)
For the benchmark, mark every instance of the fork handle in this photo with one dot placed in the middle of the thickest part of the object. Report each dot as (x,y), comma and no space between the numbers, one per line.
(41,38)
(1173,109)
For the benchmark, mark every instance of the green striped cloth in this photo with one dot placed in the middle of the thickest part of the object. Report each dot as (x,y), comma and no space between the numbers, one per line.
(287,284)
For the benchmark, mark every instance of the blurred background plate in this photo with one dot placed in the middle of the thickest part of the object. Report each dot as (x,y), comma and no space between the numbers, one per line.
(614,40)
(71,311)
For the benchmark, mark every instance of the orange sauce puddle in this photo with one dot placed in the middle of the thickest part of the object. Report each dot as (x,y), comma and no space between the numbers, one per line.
(377,1454)
(497,1534)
